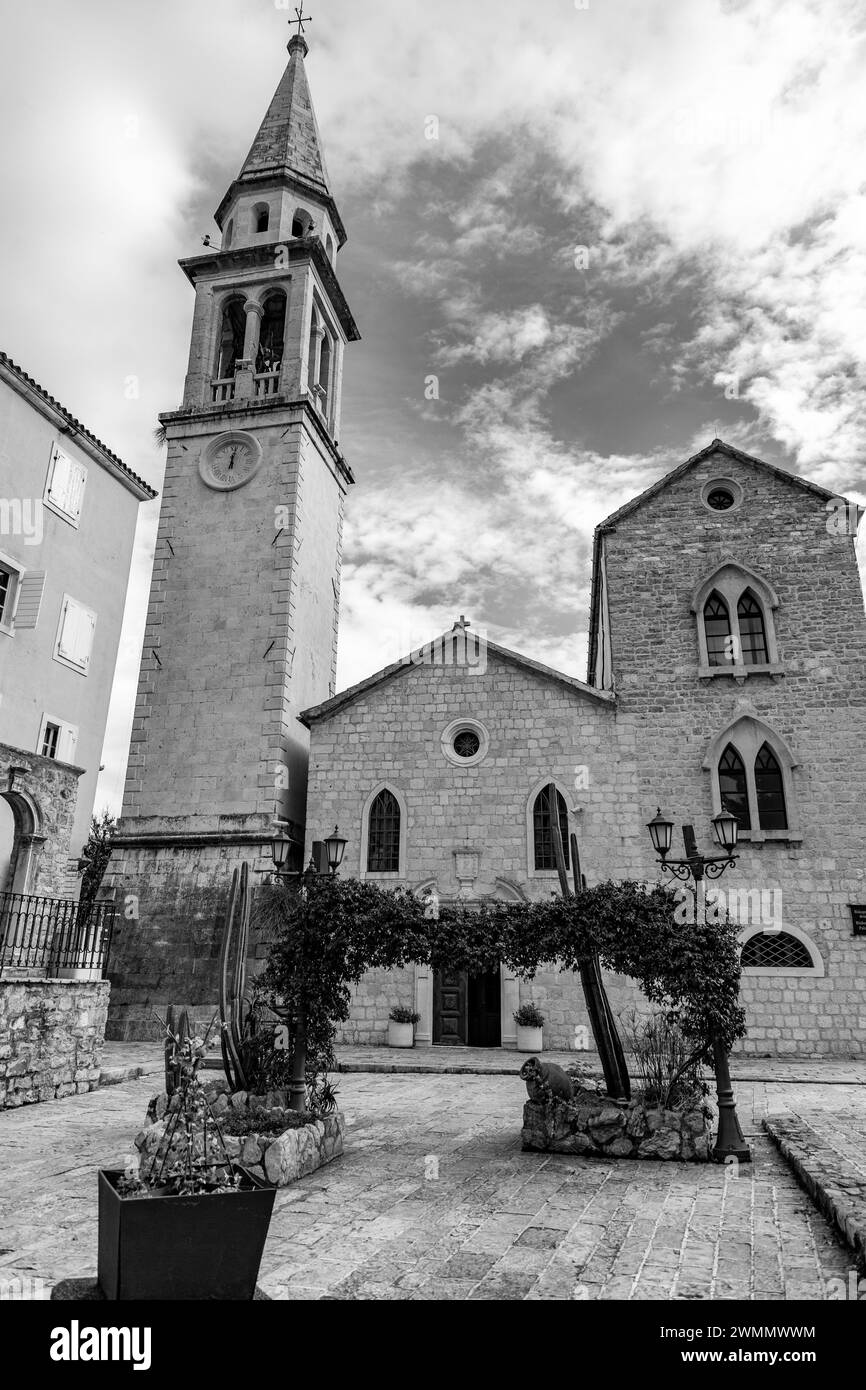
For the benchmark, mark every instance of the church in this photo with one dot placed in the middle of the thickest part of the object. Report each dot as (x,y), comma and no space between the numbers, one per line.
(727,670)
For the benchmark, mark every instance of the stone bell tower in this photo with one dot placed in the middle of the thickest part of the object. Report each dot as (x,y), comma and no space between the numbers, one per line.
(242,623)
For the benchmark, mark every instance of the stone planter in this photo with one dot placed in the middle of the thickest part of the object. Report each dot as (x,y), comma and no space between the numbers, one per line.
(597,1125)
(401,1034)
(529,1039)
(272,1158)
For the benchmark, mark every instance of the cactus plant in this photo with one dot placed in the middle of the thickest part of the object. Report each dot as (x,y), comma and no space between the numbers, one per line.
(233,977)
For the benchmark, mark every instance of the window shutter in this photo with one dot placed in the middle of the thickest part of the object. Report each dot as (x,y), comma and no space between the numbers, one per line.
(68,743)
(66,489)
(76,633)
(30,588)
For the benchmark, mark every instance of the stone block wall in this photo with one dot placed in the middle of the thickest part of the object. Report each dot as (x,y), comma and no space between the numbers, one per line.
(43,794)
(51,1038)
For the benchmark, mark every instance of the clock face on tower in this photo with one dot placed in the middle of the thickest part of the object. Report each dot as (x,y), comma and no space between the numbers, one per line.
(230,460)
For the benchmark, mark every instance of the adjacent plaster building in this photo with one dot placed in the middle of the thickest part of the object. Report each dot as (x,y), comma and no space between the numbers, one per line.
(68,512)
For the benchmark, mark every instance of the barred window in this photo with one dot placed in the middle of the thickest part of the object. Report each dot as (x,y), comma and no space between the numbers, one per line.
(753,638)
(544,855)
(733,789)
(717,625)
(383,840)
(775,951)
(770,790)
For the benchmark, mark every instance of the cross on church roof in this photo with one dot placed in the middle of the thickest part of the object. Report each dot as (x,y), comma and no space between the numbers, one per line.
(461,623)
(301,20)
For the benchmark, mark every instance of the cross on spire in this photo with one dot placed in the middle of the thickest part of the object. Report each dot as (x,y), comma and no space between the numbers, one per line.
(301,20)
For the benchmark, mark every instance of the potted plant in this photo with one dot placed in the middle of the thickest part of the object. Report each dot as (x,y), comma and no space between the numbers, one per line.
(188,1223)
(401,1027)
(530,1023)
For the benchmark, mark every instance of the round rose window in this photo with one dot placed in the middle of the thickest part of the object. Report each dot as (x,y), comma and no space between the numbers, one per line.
(466,743)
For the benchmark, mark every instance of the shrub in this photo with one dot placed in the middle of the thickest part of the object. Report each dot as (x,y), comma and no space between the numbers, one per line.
(400,1014)
(665,1060)
(528,1016)
(242,1122)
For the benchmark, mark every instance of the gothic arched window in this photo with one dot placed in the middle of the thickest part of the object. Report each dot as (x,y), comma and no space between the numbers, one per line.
(261,216)
(753,637)
(270,354)
(383,834)
(717,625)
(231,340)
(302,222)
(230,231)
(544,855)
(770,791)
(733,787)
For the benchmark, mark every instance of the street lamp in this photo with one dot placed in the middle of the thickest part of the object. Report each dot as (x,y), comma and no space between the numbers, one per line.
(281,848)
(335,847)
(730,1141)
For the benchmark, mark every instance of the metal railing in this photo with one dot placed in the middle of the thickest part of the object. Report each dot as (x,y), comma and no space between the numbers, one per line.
(54,934)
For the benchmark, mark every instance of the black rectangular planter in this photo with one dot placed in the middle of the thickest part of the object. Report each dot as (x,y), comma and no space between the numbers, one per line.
(203,1247)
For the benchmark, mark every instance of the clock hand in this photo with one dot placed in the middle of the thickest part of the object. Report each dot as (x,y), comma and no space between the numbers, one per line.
(232,460)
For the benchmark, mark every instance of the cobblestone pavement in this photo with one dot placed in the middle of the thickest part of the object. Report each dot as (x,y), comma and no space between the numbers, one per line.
(434,1199)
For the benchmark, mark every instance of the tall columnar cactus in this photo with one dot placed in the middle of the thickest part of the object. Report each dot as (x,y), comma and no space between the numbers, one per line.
(233,977)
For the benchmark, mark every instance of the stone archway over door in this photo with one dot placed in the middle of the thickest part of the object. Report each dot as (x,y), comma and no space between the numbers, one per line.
(428,989)
(26,843)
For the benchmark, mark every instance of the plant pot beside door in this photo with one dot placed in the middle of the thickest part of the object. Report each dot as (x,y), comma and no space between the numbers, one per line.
(401,1027)
(530,1028)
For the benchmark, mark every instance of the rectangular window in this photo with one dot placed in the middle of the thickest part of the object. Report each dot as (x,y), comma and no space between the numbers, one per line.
(64,491)
(10,585)
(57,739)
(75,634)
(50,740)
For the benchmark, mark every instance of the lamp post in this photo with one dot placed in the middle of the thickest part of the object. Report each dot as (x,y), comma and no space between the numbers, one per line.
(335,846)
(730,1141)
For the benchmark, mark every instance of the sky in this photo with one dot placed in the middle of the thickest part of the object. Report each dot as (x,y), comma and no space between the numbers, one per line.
(585,238)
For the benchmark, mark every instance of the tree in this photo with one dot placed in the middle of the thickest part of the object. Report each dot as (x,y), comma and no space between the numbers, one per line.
(95,858)
(324,933)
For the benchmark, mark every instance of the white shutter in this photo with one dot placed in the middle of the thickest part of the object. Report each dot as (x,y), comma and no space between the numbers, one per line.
(77,626)
(67,743)
(66,488)
(29,598)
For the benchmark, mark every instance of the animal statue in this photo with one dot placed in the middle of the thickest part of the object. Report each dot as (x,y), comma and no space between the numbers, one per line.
(546,1079)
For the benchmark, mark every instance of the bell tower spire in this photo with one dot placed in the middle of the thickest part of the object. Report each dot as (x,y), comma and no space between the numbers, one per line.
(241,629)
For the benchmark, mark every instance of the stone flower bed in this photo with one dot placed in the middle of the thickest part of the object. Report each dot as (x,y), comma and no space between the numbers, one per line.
(594,1124)
(279,1158)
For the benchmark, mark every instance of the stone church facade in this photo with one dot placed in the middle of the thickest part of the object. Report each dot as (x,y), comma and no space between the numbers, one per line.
(727,666)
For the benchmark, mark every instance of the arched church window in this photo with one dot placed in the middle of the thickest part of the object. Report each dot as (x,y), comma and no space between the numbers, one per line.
(302,223)
(717,626)
(541,822)
(733,788)
(383,836)
(231,340)
(230,231)
(753,638)
(330,248)
(261,217)
(770,791)
(270,354)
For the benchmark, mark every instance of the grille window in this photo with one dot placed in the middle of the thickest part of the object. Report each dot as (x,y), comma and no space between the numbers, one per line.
(49,740)
(383,841)
(775,951)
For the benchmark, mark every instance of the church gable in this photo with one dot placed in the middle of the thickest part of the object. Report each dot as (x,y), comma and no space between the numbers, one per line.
(723,511)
